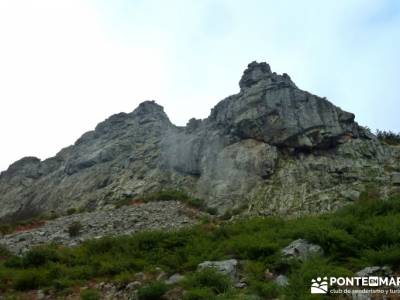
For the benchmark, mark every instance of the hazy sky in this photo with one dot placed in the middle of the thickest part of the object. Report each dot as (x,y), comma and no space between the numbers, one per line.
(67,65)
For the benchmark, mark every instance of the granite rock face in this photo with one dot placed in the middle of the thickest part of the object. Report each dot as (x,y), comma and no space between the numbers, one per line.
(271,147)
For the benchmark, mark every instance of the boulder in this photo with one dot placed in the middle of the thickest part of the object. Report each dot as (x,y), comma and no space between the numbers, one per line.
(351,195)
(174,279)
(227,267)
(395,178)
(374,271)
(282,280)
(302,250)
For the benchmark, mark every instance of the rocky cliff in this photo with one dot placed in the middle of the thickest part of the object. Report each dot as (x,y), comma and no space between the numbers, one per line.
(272,148)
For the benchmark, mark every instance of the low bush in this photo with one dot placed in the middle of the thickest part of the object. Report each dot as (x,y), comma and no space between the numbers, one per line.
(167,195)
(74,229)
(90,294)
(212,211)
(178,195)
(152,291)
(301,274)
(40,256)
(62,284)
(266,290)
(253,247)
(6,229)
(388,137)
(29,280)
(210,279)
(4,253)
(386,256)
(71,211)
(199,294)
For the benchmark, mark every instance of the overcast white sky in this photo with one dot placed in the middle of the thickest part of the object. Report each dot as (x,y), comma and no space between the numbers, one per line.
(67,65)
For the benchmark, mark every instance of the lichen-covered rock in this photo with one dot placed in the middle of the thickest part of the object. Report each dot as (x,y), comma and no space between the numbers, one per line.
(227,267)
(282,280)
(174,279)
(302,250)
(395,177)
(271,147)
(272,109)
(375,271)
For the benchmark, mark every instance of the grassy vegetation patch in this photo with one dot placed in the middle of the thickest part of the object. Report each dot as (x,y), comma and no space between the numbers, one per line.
(388,137)
(152,291)
(169,195)
(362,234)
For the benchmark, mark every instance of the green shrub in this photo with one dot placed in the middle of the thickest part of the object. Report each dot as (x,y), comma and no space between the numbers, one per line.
(178,195)
(81,272)
(382,257)
(227,215)
(5,229)
(101,246)
(370,194)
(212,211)
(209,278)
(254,270)
(62,284)
(4,253)
(199,294)
(255,247)
(74,229)
(110,268)
(319,230)
(90,294)
(266,290)
(40,256)
(71,211)
(302,273)
(14,262)
(379,231)
(152,291)
(29,280)
(167,195)
(196,202)
(124,278)
(388,137)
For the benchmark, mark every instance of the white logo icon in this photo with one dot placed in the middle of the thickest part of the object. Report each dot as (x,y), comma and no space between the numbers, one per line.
(373,281)
(319,285)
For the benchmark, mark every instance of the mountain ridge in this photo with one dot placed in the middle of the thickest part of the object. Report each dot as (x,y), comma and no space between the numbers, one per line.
(272,147)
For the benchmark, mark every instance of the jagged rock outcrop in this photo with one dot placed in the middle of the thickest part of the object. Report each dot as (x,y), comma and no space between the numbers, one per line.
(272,147)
